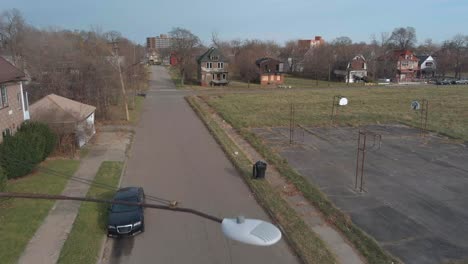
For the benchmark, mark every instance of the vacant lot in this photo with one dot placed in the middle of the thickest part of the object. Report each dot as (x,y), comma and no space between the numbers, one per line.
(414,204)
(447,115)
(448,107)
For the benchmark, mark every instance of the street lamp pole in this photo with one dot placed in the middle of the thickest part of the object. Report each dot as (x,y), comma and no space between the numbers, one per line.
(248,231)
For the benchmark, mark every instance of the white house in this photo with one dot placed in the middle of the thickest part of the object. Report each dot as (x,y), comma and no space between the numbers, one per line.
(427,66)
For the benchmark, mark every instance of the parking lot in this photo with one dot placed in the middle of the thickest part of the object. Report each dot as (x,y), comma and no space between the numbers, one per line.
(414,202)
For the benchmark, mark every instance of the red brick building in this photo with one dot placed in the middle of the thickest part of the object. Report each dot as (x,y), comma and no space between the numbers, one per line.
(14,108)
(306,44)
(271,71)
(407,65)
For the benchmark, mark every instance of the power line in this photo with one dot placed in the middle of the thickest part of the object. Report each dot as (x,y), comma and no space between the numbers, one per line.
(88,182)
(86,199)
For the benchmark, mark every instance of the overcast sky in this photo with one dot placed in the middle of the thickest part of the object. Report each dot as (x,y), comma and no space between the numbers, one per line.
(277,20)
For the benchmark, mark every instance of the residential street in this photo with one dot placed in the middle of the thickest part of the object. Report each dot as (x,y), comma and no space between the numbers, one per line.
(175,157)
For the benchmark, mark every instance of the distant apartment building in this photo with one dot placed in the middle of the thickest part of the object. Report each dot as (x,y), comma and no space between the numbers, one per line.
(159,42)
(306,44)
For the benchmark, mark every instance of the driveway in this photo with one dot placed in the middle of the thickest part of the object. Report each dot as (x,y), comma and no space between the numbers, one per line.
(175,157)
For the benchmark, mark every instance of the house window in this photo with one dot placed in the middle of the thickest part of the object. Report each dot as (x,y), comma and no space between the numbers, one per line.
(209,65)
(3,97)
(18,97)
(6,133)
(214,57)
(277,67)
(429,64)
(220,65)
(224,76)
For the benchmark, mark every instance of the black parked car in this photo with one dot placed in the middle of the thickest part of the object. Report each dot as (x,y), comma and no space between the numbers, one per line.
(125,220)
(444,82)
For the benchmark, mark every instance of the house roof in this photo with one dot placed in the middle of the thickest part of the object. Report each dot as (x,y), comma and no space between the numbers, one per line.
(57,109)
(9,73)
(209,53)
(261,60)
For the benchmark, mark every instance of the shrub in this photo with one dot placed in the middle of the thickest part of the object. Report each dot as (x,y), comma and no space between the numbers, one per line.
(50,139)
(3,179)
(19,154)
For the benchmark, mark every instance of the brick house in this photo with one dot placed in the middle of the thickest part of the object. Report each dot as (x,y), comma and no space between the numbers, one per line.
(212,68)
(407,65)
(271,71)
(14,106)
(399,65)
(357,69)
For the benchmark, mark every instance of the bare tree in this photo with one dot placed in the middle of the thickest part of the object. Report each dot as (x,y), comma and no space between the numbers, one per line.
(403,38)
(456,53)
(184,45)
(12,26)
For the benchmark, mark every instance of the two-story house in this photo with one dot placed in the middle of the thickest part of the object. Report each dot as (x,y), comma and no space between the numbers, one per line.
(212,68)
(352,71)
(270,71)
(14,108)
(407,65)
(427,67)
(357,69)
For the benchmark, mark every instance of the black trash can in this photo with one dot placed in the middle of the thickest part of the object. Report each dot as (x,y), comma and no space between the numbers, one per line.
(259,169)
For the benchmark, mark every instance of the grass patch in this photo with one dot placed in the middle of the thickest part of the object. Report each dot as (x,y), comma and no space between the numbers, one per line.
(135,112)
(20,218)
(306,243)
(84,241)
(300,82)
(367,105)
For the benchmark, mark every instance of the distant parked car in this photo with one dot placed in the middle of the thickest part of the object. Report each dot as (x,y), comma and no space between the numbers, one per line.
(461,81)
(443,82)
(125,220)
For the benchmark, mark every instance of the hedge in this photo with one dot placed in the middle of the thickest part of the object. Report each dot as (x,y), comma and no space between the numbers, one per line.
(3,179)
(20,153)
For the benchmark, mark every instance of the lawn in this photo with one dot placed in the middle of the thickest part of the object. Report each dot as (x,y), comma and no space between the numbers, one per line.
(447,107)
(298,82)
(20,218)
(85,239)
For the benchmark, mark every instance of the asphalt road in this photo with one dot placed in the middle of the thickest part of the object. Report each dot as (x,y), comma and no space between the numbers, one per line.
(175,157)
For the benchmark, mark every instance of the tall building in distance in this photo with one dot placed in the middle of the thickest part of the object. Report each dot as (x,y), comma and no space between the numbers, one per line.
(306,44)
(159,42)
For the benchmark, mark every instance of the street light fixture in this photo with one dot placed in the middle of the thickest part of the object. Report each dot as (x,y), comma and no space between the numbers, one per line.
(248,231)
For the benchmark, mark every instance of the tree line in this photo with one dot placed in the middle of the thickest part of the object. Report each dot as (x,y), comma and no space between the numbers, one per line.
(82,65)
(320,62)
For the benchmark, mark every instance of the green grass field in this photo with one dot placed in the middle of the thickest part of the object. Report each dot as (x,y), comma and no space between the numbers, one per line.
(84,241)
(20,218)
(367,105)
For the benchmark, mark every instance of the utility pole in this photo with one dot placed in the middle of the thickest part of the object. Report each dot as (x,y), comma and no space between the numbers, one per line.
(115,46)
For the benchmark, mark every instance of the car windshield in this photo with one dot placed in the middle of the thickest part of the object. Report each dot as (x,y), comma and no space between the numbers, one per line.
(119,208)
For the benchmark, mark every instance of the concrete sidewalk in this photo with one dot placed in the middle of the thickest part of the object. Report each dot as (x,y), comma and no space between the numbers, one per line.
(46,244)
